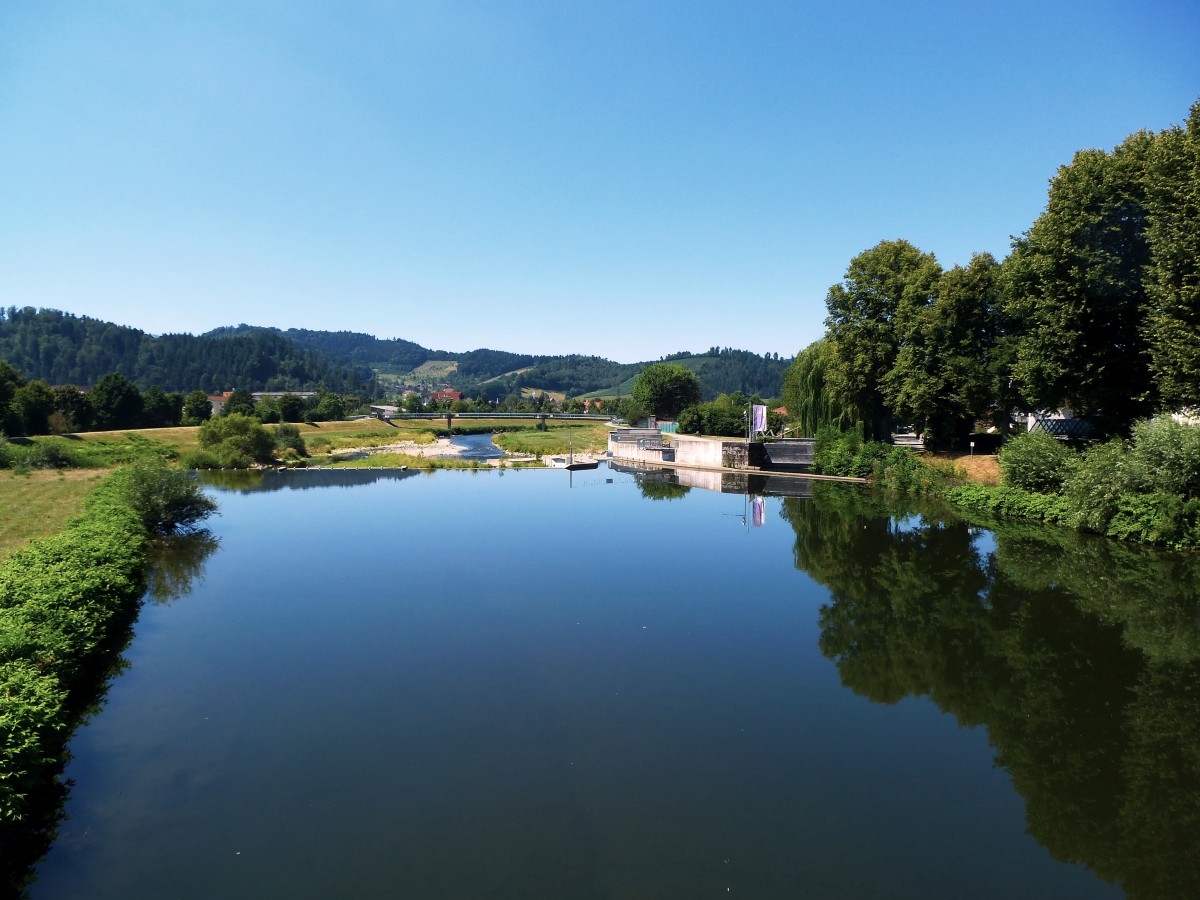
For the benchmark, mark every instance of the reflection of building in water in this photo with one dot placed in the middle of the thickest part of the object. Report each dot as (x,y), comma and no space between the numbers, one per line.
(720,482)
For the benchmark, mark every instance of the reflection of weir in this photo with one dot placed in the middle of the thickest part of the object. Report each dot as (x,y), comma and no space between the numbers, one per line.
(721,482)
(253,482)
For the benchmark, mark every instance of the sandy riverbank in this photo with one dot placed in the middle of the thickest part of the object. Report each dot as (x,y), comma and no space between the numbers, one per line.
(442,448)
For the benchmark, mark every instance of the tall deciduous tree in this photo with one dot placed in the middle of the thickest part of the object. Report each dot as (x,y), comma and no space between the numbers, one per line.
(240,403)
(666,388)
(10,380)
(197,408)
(73,408)
(883,294)
(1075,282)
(1172,326)
(161,410)
(116,403)
(811,403)
(942,377)
(34,403)
(291,408)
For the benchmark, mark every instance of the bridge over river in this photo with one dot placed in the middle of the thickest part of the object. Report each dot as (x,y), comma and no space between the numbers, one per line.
(540,418)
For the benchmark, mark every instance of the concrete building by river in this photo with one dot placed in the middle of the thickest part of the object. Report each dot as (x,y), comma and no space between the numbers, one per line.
(648,445)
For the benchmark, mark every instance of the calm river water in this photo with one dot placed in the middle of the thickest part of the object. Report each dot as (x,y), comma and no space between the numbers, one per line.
(531,684)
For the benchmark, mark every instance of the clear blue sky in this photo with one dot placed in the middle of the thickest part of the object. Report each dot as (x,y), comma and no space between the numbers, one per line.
(628,179)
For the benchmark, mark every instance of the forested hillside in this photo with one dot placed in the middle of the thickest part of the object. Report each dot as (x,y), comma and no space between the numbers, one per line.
(726,371)
(349,348)
(60,348)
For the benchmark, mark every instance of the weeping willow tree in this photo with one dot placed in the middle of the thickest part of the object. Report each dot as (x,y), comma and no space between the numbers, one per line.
(811,401)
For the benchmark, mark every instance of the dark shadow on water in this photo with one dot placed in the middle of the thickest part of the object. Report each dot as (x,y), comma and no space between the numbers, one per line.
(1080,656)
(255,481)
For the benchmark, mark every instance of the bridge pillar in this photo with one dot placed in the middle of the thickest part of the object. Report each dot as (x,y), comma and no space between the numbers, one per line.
(449,421)
(541,426)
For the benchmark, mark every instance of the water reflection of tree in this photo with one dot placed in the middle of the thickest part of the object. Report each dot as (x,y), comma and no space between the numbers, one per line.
(1080,658)
(177,563)
(653,489)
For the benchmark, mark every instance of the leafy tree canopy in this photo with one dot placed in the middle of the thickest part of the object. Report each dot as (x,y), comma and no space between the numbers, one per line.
(666,388)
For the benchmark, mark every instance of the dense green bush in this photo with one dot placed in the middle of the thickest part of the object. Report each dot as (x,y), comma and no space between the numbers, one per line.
(287,437)
(1035,462)
(1166,456)
(1010,502)
(1097,481)
(845,453)
(49,456)
(834,451)
(207,459)
(166,500)
(36,455)
(236,441)
(899,469)
(1157,518)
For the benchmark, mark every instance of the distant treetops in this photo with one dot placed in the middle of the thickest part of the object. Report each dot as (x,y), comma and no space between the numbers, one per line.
(1097,309)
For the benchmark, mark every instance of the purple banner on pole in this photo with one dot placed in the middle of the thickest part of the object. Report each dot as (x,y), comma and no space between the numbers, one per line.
(760,418)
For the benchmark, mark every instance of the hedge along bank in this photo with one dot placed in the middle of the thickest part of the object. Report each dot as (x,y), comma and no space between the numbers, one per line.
(65,602)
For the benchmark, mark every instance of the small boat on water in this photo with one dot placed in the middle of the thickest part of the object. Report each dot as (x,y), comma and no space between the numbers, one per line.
(573,466)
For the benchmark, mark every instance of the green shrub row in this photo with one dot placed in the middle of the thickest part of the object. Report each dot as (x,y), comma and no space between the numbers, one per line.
(1146,488)
(59,601)
(1170,520)
(64,603)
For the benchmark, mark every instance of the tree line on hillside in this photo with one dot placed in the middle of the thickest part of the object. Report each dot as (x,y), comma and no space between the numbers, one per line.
(348,348)
(33,407)
(1096,310)
(61,349)
(719,371)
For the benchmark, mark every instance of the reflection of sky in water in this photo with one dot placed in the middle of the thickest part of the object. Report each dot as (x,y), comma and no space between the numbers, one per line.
(983,541)
(495,683)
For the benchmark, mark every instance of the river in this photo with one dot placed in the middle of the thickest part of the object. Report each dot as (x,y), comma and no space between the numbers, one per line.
(528,683)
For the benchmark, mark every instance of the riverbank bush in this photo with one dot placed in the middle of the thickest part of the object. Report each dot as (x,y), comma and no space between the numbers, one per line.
(1035,462)
(846,454)
(1145,489)
(234,441)
(65,602)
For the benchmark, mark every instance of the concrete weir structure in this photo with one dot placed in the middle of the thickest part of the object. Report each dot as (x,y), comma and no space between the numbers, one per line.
(646,445)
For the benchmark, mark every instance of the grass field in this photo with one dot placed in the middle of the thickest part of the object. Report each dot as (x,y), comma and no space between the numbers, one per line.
(621,390)
(589,438)
(39,503)
(433,370)
(537,392)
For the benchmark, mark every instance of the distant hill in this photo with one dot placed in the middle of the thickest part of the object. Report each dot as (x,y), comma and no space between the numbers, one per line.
(62,348)
(349,348)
